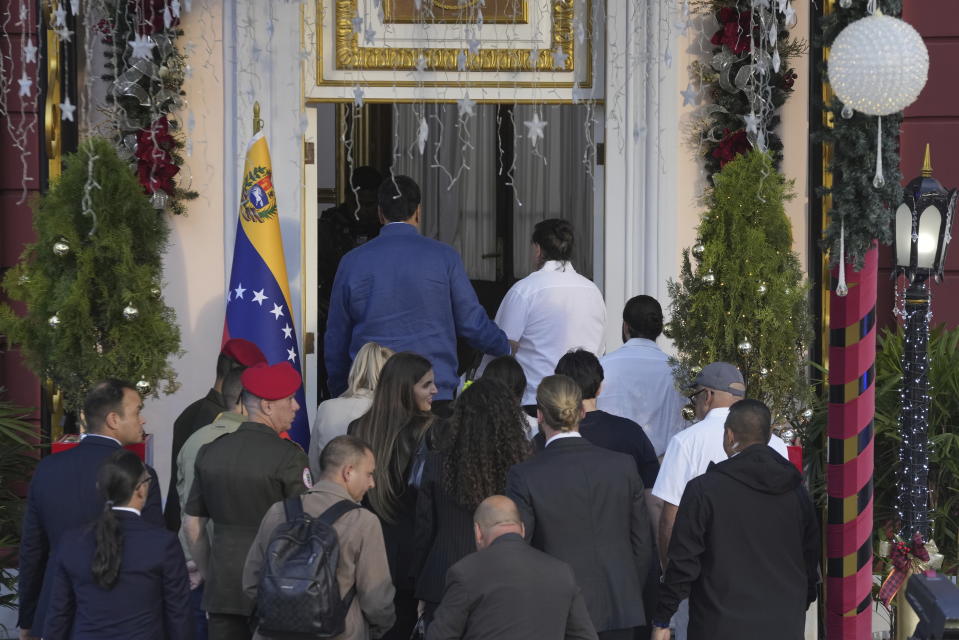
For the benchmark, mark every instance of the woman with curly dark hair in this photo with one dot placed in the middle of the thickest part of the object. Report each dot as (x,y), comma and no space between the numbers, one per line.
(486,435)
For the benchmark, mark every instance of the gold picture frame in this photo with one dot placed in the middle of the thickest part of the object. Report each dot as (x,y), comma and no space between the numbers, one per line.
(455,12)
(350,55)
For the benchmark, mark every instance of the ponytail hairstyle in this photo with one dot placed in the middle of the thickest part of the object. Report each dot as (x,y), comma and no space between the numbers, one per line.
(561,401)
(118,478)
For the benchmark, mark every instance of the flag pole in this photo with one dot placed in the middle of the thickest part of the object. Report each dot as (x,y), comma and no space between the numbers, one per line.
(257,123)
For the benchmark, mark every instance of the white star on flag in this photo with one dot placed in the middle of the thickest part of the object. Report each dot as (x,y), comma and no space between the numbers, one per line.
(534,128)
(466,105)
(291,355)
(142,46)
(287,331)
(240,290)
(25,84)
(30,52)
(67,109)
(258,297)
(277,311)
(559,58)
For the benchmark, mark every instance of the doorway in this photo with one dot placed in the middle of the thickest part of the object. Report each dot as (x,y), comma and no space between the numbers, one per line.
(484,183)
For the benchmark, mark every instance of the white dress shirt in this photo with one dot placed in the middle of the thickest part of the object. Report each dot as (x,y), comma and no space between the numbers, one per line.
(639,385)
(549,312)
(690,452)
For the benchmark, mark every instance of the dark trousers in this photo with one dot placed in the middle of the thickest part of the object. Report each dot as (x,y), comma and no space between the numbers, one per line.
(406,616)
(616,634)
(225,626)
(199,615)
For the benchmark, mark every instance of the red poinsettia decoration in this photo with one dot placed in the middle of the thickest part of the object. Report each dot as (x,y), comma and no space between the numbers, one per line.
(734,30)
(732,144)
(155,165)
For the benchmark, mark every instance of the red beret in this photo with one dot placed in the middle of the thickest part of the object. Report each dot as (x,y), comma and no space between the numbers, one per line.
(271,383)
(243,352)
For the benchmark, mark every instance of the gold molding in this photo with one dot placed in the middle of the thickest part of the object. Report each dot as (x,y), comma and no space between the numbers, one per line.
(52,124)
(348,101)
(522,18)
(349,55)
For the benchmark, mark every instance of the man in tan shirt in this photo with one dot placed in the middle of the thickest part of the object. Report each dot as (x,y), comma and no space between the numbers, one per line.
(347,466)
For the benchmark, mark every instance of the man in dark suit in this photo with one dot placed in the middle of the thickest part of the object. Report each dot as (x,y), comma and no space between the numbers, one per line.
(236,353)
(585,505)
(508,590)
(237,478)
(63,493)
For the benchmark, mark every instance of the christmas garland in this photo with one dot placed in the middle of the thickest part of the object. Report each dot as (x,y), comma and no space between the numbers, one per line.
(865,210)
(747,79)
(146,72)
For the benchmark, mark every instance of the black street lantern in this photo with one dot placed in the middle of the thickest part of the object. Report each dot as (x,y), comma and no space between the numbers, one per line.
(923,226)
(923,223)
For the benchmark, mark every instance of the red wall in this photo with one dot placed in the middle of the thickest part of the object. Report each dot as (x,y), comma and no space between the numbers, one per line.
(15,219)
(933,118)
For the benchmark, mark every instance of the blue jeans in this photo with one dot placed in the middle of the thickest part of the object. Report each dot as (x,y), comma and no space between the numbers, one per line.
(199,615)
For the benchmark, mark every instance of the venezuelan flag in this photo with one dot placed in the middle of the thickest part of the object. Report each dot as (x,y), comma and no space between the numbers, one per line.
(258,303)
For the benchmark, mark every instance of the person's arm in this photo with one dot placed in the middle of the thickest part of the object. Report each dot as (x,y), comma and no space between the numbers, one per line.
(518,491)
(374,586)
(686,547)
(654,506)
(641,535)
(424,530)
(666,520)
(579,626)
(34,554)
(811,545)
(291,471)
(177,614)
(339,334)
(194,522)
(153,509)
(451,617)
(63,607)
(469,317)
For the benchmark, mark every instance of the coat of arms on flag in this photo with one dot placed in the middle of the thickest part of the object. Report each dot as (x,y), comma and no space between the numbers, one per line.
(258,201)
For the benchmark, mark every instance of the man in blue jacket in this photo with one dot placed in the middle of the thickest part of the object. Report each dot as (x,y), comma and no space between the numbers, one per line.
(63,493)
(408,293)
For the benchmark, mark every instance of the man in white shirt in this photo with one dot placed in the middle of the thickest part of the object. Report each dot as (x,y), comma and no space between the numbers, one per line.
(639,382)
(553,309)
(717,387)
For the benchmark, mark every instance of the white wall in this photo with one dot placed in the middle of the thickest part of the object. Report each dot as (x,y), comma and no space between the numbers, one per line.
(193,265)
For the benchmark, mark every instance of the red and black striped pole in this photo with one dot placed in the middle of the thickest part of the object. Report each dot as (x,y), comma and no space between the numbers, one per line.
(849,521)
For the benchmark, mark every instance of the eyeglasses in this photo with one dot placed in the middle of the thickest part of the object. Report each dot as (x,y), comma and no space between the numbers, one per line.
(692,397)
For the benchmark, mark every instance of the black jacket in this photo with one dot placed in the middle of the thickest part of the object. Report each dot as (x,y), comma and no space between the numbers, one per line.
(443,531)
(63,495)
(745,550)
(617,434)
(584,505)
(509,591)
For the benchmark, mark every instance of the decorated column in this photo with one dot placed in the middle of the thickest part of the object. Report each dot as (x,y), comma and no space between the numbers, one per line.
(849,522)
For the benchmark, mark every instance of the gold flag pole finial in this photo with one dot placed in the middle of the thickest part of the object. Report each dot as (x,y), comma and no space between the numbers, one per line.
(257,123)
(927,163)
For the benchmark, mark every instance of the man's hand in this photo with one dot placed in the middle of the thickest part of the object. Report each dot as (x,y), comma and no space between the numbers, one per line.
(660,634)
(193,572)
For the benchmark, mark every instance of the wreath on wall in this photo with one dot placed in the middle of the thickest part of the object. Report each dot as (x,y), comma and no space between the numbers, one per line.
(746,78)
(146,71)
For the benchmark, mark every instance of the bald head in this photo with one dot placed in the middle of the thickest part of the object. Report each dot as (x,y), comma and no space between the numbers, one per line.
(495,516)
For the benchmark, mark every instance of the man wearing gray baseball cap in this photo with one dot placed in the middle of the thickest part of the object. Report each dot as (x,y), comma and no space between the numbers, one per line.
(717,387)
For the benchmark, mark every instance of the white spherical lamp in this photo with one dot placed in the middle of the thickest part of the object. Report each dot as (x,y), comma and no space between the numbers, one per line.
(878,65)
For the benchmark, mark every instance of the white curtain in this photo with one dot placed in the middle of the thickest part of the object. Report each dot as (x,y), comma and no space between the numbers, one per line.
(456,175)
(552,180)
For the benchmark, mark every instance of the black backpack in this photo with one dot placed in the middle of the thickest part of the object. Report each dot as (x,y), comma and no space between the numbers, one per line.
(298,595)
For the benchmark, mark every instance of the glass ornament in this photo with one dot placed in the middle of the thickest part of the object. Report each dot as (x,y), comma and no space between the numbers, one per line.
(761,289)
(61,247)
(130,312)
(878,65)
(143,387)
(709,278)
(54,321)
(698,250)
(745,346)
(847,111)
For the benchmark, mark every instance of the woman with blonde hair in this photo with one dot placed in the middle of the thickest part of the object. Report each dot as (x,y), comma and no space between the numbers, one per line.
(333,416)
